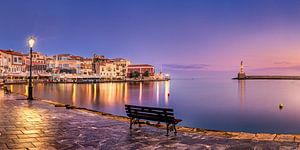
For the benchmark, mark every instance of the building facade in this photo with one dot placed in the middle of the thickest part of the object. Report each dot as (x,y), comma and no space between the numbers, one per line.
(15,64)
(11,62)
(39,65)
(140,70)
(107,70)
(121,67)
(86,66)
(64,63)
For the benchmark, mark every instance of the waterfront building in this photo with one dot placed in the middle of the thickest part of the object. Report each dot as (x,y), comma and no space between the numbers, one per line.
(97,61)
(121,67)
(140,70)
(110,68)
(107,70)
(64,63)
(39,65)
(86,66)
(10,62)
(16,65)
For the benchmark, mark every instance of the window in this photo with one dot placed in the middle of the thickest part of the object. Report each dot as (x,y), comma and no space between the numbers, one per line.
(66,65)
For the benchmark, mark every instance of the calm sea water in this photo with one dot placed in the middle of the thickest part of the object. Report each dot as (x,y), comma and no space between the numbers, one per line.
(220,103)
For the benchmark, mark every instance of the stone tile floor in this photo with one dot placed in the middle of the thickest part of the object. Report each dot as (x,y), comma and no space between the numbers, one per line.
(39,125)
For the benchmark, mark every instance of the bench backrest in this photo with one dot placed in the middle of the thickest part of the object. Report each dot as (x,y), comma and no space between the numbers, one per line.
(150,113)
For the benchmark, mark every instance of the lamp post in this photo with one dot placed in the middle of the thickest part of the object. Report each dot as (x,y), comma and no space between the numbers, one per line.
(31,42)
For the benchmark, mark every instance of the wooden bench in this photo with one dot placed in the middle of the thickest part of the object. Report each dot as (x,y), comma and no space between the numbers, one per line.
(135,113)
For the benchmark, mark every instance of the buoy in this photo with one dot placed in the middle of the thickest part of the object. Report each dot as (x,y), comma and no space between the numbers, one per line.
(280,106)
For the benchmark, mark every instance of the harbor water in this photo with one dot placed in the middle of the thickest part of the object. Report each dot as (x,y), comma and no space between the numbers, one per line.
(271,106)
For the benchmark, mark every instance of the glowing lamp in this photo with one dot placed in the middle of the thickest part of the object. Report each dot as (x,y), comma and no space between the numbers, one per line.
(31,42)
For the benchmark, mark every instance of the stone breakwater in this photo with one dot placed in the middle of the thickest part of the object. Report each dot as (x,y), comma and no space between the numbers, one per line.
(268,78)
(44,124)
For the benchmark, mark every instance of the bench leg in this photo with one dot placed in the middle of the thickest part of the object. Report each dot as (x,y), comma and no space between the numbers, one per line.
(167,129)
(130,123)
(175,131)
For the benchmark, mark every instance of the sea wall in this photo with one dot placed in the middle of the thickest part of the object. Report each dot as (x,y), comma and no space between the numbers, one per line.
(265,77)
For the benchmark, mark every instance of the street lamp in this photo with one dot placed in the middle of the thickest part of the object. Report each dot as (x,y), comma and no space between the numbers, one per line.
(31,42)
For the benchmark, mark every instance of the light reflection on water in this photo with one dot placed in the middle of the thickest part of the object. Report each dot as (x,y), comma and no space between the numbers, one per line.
(107,97)
(221,104)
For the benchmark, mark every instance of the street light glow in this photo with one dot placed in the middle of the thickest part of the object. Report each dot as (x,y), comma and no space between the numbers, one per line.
(31,42)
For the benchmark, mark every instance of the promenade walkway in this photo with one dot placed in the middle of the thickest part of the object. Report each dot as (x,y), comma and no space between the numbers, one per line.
(39,125)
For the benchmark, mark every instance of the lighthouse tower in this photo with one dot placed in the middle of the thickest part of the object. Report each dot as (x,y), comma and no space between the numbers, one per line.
(241,74)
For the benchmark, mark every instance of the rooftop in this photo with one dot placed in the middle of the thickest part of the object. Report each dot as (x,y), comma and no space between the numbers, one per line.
(140,65)
(11,52)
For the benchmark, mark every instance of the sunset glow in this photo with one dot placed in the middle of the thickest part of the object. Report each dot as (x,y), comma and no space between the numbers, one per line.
(207,35)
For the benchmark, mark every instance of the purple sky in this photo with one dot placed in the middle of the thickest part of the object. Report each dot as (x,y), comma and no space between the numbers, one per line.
(189,35)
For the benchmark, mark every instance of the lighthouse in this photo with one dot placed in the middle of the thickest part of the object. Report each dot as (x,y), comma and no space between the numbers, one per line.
(241,74)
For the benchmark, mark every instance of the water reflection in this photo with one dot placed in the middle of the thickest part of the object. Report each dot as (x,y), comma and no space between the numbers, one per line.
(157,92)
(74,93)
(26,90)
(141,92)
(167,92)
(95,92)
(108,97)
(241,91)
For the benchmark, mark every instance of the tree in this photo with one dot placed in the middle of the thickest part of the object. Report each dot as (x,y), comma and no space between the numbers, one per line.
(49,70)
(135,74)
(146,74)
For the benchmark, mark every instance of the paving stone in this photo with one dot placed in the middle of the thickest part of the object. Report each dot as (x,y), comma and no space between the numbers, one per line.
(286,148)
(20,145)
(243,135)
(297,138)
(3,146)
(31,131)
(25,136)
(265,136)
(285,138)
(13,132)
(25,140)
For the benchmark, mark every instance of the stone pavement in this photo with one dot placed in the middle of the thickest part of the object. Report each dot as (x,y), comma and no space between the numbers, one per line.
(39,125)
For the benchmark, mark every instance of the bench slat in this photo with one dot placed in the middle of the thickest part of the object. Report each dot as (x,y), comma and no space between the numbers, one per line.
(151,111)
(153,108)
(154,115)
(153,118)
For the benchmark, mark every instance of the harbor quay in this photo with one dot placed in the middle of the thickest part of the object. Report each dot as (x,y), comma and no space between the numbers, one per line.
(38,124)
(80,79)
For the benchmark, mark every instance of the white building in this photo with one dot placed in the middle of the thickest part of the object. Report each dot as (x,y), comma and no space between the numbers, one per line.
(107,70)
(64,63)
(10,62)
(121,67)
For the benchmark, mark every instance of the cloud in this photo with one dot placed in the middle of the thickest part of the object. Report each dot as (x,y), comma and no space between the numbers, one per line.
(279,68)
(282,63)
(185,67)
